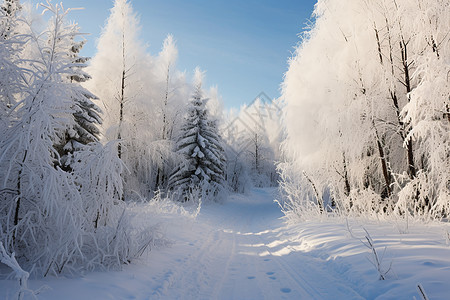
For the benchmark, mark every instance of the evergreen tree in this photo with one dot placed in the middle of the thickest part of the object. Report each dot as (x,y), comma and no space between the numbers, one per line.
(11,45)
(10,7)
(201,146)
(9,10)
(86,114)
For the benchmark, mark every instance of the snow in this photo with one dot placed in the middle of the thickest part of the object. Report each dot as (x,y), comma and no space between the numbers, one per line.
(244,249)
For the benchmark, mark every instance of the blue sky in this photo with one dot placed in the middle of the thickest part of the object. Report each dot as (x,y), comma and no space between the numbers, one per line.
(243,45)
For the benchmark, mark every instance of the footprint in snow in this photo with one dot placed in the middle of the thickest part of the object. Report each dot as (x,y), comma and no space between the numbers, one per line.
(251,277)
(267,259)
(285,290)
(272,277)
(270,273)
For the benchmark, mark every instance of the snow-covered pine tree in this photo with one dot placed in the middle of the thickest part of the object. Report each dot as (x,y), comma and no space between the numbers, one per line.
(11,45)
(86,113)
(9,10)
(201,146)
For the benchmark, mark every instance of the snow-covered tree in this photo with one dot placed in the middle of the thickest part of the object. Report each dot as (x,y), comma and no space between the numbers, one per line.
(123,81)
(10,7)
(38,198)
(253,136)
(354,96)
(9,10)
(201,146)
(238,167)
(262,137)
(59,220)
(171,85)
(87,114)
(11,45)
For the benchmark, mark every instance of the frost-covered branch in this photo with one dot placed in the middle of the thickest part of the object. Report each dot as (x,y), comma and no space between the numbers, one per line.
(19,273)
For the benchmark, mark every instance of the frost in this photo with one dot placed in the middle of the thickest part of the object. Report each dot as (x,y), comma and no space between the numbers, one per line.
(367,111)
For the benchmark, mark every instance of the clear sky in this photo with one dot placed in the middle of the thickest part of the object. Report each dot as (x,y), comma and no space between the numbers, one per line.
(243,45)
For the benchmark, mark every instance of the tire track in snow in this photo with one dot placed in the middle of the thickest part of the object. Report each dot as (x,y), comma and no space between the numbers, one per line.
(229,263)
(219,286)
(189,278)
(177,276)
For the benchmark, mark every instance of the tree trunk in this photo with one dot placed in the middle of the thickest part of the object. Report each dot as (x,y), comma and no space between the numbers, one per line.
(386,173)
(346,180)
(256,153)
(319,199)
(160,178)
(119,134)
(122,95)
(407,83)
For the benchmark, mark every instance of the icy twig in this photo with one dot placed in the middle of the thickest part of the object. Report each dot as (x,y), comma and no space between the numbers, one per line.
(377,261)
(349,229)
(422,292)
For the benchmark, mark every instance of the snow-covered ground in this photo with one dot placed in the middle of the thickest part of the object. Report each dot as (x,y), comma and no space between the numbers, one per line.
(243,249)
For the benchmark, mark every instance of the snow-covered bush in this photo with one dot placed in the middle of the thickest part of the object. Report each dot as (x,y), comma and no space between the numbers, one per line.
(20,274)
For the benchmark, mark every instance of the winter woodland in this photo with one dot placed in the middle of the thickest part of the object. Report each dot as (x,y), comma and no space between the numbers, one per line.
(367,113)
(363,123)
(81,138)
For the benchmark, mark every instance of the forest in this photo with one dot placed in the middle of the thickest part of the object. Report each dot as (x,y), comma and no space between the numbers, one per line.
(367,112)
(361,129)
(81,138)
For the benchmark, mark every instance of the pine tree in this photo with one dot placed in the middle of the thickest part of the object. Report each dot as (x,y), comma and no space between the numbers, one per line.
(201,146)
(9,10)
(86,114)
(10,7)
(11,44)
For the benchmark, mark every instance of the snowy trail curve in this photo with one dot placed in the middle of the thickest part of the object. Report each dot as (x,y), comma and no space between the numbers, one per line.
(240,253)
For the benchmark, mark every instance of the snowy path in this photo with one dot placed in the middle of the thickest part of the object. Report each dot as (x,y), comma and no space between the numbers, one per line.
(243,250)
(239,253)
(238,250)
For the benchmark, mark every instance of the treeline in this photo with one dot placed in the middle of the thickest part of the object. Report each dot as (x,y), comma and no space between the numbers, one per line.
(253,136)
(368,111)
